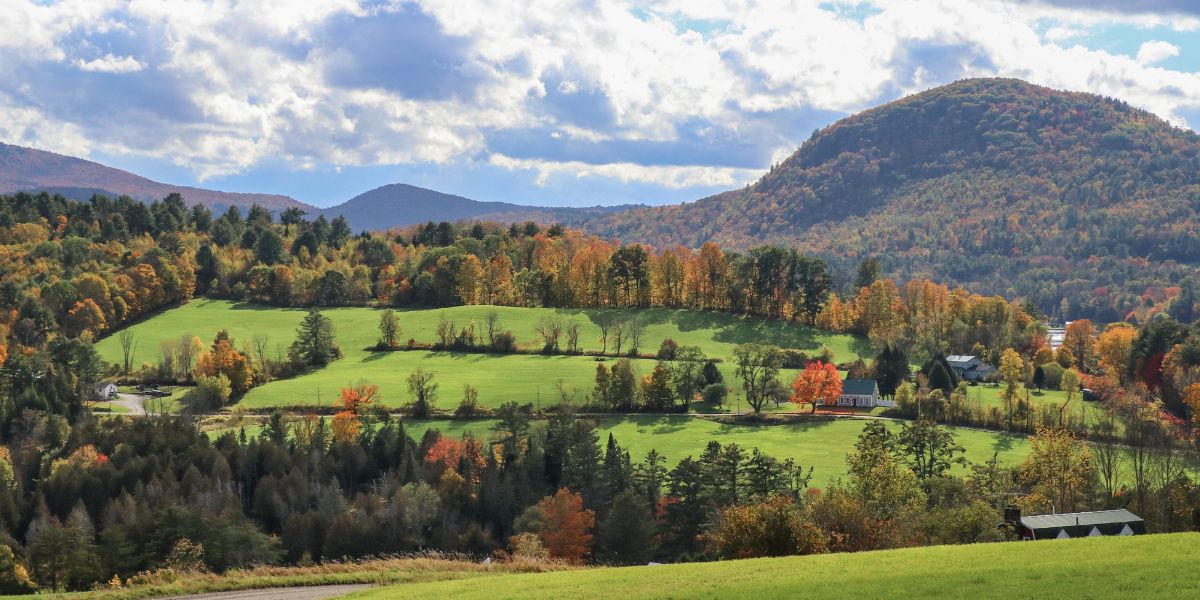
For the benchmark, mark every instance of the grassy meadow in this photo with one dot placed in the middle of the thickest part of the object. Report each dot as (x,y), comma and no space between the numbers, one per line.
(993,395)
(1152,566)
(822,445)
(522,378)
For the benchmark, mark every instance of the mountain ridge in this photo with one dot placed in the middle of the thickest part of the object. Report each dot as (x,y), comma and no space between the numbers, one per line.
(996,184)
(24,169)
(400,204)
(29,169)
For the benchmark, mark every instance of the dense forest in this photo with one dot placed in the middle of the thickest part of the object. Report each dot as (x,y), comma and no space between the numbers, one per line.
(1082,205)
(86,500)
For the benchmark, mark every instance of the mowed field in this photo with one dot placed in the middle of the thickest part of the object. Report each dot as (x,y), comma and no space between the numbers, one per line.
(993,395)
(1151,566)
(521,378)
(822,445)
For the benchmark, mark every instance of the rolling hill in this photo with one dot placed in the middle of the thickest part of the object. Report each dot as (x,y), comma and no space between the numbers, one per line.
(996,184)
(28,169)
(400,204)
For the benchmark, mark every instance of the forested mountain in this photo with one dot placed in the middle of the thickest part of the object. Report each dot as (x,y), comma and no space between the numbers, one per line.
(995,184)
(398,204)
(28,169)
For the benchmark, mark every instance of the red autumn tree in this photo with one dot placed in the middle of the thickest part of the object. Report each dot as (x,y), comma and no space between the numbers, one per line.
(818,382)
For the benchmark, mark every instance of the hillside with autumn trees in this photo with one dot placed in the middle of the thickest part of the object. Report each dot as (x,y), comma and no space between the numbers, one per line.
(90,498)
(1081,204)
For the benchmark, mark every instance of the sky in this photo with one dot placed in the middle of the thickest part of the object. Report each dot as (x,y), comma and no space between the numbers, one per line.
(553,103)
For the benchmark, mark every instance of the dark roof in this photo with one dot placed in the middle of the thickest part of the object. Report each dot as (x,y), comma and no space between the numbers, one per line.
(859,387)
(1099,517)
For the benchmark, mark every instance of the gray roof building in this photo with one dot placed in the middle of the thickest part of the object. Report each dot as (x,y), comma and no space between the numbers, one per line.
(1082,524)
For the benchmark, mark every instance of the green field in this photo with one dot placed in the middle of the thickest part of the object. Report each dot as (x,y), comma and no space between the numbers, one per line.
(822,445)
(521,378)
(989,395)
(1152,566)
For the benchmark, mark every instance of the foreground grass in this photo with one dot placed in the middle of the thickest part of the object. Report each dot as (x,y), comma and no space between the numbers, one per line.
(373,572)
(520,378)
(1156,566)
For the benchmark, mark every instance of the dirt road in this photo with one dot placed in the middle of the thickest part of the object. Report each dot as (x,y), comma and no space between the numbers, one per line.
(316,592)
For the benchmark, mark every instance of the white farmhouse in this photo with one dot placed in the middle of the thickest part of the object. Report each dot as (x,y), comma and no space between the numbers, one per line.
(862,393)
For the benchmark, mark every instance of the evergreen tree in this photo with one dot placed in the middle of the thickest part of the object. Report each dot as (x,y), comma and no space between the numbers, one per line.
(268,248)
(315,345)
(940,375)
(869,270)
(890,368)
(626,535)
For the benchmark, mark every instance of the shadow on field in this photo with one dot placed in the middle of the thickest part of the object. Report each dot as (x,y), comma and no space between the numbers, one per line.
(656,424)
(745,331)
(803,427)
(258,307)
(1003,443)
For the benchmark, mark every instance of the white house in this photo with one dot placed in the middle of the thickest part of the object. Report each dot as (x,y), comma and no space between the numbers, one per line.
(105,390)
(862,393)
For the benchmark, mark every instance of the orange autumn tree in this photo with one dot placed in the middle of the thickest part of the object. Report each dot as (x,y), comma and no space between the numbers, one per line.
(352,402)
(222,359)
(566,526)
(818,382)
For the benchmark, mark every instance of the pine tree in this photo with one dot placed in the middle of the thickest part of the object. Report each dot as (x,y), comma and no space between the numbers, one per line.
(626,535)
(890,368)
(315,345)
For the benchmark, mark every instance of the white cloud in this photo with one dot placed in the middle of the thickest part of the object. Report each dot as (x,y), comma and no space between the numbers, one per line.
(111,64)
(1155,51)
(671,177)
(230,85)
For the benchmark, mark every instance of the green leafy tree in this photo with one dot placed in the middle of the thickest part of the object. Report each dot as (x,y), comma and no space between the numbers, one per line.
(389,329)
(929,449)
(423,391)
(757,365)
(687,373)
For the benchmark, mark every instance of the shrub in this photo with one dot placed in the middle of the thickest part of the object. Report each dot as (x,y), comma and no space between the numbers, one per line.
(667,350)
(715,394)
(504,342)
(794,359)
(210,393)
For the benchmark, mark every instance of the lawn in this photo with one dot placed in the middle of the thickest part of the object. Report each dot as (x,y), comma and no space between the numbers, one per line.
(521,378)
(1152,566)
(822,445)
(989,395)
